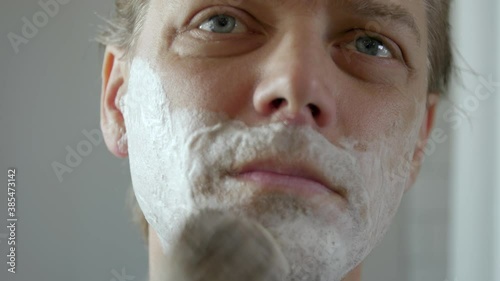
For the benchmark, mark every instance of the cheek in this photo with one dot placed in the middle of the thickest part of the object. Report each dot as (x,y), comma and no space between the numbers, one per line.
(383,187)
(217,86)
(384,124)
(373,114)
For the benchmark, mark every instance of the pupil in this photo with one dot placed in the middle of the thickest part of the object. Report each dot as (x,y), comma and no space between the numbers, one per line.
(369,45)
(222,21)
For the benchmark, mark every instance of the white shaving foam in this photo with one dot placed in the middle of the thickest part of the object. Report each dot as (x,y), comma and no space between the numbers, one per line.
(182,161)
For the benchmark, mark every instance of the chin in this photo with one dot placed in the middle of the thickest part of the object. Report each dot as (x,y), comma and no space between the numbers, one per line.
(316,235)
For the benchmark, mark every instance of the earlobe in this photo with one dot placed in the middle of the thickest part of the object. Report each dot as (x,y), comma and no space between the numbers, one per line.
(423,136)
(114,87)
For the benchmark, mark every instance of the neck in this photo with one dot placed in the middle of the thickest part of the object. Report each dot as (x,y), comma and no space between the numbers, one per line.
(354,275)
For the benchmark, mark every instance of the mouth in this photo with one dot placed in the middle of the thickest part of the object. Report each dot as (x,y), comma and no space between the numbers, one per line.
(297,177)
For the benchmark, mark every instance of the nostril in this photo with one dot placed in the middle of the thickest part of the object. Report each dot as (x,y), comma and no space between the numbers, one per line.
(314,110)
(277,103)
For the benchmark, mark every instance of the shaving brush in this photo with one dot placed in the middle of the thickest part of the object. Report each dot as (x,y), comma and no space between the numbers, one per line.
(218,246)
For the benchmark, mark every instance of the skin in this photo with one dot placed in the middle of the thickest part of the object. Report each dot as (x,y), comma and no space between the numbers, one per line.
(301,66)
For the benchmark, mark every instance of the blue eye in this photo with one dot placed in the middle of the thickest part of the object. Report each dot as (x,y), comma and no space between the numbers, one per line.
(373,47)
(222,24)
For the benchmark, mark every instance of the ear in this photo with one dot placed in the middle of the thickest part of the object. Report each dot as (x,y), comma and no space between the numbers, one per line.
(114,86)
(423,136)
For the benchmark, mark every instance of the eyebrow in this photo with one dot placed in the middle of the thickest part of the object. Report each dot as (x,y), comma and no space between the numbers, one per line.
(371,9)
(394,12)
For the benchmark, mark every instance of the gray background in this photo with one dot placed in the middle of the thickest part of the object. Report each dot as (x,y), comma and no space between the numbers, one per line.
(79,228)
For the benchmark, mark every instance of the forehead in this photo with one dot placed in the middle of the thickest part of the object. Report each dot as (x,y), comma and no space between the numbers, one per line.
(411,5)
(408,14)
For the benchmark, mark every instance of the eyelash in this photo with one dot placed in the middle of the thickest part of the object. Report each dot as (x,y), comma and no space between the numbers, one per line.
(239,16)
(241,20)
(353,35)
(391,47)
(236,23)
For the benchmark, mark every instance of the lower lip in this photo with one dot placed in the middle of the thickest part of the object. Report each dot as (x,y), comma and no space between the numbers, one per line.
(285,183)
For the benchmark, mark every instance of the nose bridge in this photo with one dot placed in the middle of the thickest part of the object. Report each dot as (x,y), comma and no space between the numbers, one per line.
(294,87)
(302,57)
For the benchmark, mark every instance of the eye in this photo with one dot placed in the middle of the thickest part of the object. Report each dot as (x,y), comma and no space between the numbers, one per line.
(223,24)
(372,47)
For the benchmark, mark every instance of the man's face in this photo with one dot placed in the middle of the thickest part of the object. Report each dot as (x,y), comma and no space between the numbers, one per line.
(304,115)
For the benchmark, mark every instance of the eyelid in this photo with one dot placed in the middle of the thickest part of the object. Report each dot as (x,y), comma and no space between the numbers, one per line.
(388,43)
(240,16)
(238,26)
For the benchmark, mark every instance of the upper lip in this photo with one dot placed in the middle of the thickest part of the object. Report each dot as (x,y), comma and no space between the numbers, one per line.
(299,169)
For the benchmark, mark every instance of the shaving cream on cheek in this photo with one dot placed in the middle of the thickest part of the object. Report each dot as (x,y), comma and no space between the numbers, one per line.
(386,163)
(182,161)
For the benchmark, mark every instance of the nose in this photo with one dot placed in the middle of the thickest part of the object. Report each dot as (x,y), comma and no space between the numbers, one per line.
(295,84)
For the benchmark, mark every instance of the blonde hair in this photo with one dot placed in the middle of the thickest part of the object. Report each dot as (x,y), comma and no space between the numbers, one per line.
(123,28)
